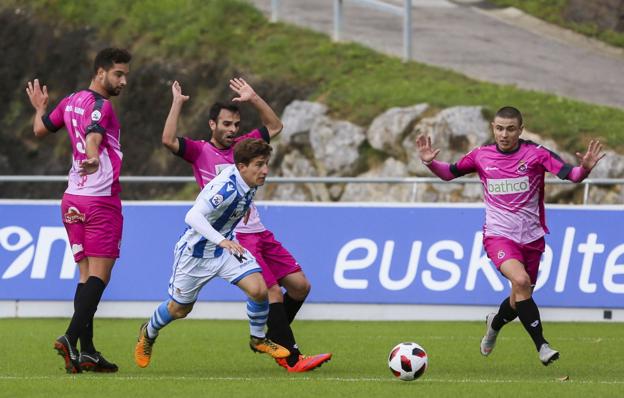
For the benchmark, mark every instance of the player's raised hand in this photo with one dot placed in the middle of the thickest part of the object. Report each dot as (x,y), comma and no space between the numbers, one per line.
(89,166)
(593,155)
(176,90)
(232,247)
(38,95)
(426,152)
(243,89)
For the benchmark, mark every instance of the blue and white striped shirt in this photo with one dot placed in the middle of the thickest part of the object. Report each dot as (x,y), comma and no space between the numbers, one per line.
(223,202)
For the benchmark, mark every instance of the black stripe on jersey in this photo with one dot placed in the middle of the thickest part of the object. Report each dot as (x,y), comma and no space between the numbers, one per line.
(456,171)
(181,147)
(264,131)
(48,123)
(95,127)
(565,170)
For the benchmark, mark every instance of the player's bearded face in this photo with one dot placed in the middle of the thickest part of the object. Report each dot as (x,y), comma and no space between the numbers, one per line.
(506,133)
(256,172)
(225,129)
(115,79)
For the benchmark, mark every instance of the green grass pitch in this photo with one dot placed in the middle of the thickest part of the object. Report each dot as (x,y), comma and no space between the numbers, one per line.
(207,358)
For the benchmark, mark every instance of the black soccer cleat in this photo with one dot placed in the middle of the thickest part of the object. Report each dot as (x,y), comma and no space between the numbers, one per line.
(69,354)
(96,363)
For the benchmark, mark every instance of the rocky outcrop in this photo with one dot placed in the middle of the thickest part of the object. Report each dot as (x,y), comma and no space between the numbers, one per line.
(335,145)
(388,129)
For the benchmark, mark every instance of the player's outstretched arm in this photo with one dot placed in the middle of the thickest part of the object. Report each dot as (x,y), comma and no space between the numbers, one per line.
(38,97)
(247,94)
(427,156)
(587,161)
(169,138)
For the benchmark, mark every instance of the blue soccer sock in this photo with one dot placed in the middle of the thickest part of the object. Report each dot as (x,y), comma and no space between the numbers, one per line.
(159,320)
(258,313)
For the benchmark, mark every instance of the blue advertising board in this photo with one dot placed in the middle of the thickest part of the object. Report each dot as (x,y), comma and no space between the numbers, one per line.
(399,254)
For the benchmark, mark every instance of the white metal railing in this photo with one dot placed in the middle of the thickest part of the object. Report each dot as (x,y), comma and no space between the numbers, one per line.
(405,12)
(319,180)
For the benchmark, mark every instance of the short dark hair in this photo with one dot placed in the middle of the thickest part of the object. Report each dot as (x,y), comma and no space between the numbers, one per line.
(215,109)
(107,57)
(509,112)
(246,150)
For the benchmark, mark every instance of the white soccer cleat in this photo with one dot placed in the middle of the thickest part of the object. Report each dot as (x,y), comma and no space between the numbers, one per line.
(489,340)
(547,355)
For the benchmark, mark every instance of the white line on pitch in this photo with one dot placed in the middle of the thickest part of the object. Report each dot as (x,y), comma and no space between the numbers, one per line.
(339,379)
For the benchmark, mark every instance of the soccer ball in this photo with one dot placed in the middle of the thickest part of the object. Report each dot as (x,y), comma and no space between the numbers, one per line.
(408,361)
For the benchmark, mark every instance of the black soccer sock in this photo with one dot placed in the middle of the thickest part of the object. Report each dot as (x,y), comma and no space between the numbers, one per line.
(85,306)
(86,338)
(291,306)
(530,318)
(280,332)
(505,315)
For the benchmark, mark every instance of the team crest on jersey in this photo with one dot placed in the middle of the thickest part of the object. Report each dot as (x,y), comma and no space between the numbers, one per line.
(522,167)
(96,115)
(500,254)
(216,200)
(73,216)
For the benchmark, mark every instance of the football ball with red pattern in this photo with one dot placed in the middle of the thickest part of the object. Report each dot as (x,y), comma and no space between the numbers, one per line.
(408,361)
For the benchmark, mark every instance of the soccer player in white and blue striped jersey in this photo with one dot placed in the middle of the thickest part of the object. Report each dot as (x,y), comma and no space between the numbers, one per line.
(207,250)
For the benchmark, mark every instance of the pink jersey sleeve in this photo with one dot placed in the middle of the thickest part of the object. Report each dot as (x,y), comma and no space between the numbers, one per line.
(53,120)
(554,164)
(261,133)
(466,165)
(441,169)
(98,118)
(578,174)
(189,149)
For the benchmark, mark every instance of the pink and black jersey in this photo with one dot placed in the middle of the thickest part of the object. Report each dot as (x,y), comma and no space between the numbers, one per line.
(208,161)
(82,113)
(513,186)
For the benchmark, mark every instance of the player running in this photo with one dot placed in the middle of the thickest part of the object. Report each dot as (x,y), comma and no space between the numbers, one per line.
(279,268)
(512,173)
(208,249)
(91,207)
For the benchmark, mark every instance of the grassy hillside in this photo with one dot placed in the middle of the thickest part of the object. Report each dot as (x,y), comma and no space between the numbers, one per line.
(553,11)
(354,81)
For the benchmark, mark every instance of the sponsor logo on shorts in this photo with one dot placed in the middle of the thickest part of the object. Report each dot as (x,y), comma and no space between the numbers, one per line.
(73,216)
(505,186)
(500,254)
(216,200)
(76,248)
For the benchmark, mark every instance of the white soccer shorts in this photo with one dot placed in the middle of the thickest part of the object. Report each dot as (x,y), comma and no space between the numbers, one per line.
(190,274)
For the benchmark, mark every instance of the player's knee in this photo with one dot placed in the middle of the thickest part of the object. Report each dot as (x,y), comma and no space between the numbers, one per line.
(178,312)
(522,283)
(258,292)
(301,290)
